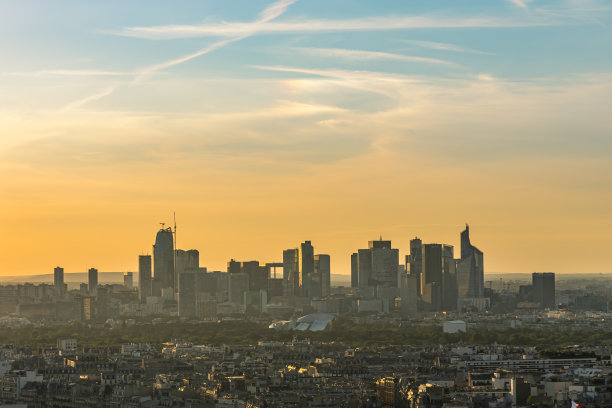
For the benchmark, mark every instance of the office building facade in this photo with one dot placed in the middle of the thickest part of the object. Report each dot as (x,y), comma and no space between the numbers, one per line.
(144,277)
(163,259)
(543,289)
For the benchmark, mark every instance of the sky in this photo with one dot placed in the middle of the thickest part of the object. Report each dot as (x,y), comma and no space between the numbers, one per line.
(263,124)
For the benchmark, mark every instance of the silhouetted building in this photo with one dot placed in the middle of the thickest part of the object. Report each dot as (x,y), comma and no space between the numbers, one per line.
(377,266)
(449,278)
(238,284)
(58,281)
(470,270)
(187,298)
(128,280)
(408,292)
(322,276)
(431,277)
(234,266)
(163,259)
(291,269)
(258,275)
(355,270)
(92,275)
(543,289)
(144,277)
(275,287)
(186,260)
(416,260)
(306,268)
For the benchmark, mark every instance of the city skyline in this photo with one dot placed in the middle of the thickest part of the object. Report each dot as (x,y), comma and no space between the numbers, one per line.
(171,259)
(263,124)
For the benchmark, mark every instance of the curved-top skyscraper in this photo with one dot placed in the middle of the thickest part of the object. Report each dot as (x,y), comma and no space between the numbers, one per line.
(470,269)
(163,258)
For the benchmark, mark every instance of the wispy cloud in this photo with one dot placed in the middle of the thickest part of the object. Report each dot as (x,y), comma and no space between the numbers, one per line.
(520,3)
(70,72)
(445,47)
(268,14)
(98,95)
(304,26)
(361,55)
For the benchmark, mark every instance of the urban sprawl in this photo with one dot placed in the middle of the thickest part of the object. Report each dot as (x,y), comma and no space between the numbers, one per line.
(425,332)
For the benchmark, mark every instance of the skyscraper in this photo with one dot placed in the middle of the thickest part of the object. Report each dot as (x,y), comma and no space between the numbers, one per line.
(408,293)
(144,277)
(185,261)
(58,281)
(416,260)
(375,267)
(449,278)
(93,280)
(163,259)
(322,274)
(187,298)
(291,268)
(431,277)
(470,270)
(306,268)
(543,289)
(355,270)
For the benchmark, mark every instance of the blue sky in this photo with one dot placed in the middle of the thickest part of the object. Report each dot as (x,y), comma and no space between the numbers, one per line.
(411,116)
(540,39)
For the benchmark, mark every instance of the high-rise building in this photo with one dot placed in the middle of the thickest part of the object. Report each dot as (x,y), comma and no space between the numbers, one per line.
(322,281)
(375,267)
(543,289)
(408,293)
(163,259)
(93,280)
(187,298)
(234,266)
(431,277)
(306,268)
(258,274)
(470,270)
(238,284)
(144,277)
(291,268)
(416,260)
(449,278)
(128,280)
(354,270)
(437,283)
(186,260)
(385,262)
(361,269)
(58,281)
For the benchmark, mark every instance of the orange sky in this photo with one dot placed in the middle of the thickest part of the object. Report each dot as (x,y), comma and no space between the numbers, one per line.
(80,209)
(262,128)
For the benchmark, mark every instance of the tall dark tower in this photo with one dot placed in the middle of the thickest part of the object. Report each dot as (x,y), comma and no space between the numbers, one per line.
(163,258)
(306,268)
(415,260)
(144,277)
(543,289)
(58,281)
(92,275)
(470,269)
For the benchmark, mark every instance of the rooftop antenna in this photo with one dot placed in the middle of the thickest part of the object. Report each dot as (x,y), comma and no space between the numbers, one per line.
(175,230)
(174,253)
